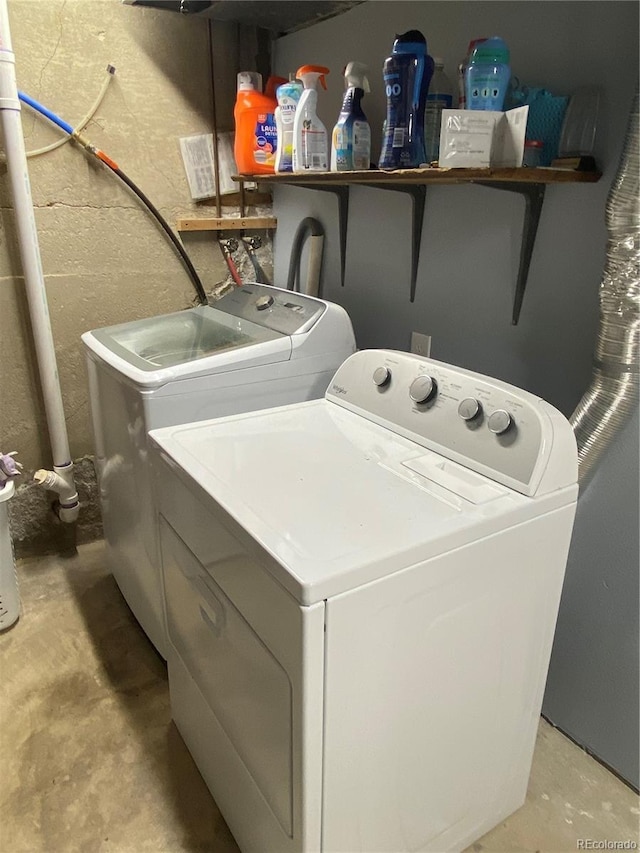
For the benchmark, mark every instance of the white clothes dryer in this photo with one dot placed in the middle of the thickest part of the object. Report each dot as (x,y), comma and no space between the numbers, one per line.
(256,347)
(361,597)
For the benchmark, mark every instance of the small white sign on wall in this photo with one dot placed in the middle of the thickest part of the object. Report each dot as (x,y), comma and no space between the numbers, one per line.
(199,164)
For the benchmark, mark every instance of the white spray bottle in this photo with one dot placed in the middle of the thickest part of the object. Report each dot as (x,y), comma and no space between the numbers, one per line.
(351,137)
(310,137)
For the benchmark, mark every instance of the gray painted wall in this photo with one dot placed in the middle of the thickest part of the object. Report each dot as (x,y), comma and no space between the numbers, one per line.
(592,690)
(466,279)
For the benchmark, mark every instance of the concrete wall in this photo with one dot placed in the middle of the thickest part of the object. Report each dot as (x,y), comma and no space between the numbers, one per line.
(105,259)
(470,248)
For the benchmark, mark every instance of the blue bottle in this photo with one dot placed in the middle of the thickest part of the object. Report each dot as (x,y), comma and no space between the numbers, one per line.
(407,74)
(351,137)
(487,75)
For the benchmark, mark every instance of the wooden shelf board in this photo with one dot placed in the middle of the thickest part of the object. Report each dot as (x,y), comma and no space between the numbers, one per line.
(226,223)
(251,199)
(429,176)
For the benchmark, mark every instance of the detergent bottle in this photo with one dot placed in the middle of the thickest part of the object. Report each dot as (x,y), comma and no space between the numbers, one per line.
(407,73)
(256,138)
(288,96)
(310,138)
(462,71)
(271,86)
(351,137)
(487,75)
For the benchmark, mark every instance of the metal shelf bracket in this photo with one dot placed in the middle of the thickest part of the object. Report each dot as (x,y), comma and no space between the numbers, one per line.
(418,193)
(533,199)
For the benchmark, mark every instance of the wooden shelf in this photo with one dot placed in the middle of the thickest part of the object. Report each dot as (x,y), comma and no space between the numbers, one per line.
(530,183)
(226,223)
(251,199)
(428,176)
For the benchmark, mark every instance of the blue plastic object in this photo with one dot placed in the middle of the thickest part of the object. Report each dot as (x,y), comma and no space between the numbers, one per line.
(546,116)
(46,112)
(351,137)
(487,75)
(407,74)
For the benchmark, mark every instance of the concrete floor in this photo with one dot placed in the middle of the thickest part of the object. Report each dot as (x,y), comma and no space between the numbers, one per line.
(92,761)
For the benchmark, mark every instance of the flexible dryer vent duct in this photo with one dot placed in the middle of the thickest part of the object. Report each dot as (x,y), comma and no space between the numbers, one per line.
(613,394)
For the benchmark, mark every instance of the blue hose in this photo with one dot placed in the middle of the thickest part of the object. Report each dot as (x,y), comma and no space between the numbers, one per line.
(45,112)
(202,296)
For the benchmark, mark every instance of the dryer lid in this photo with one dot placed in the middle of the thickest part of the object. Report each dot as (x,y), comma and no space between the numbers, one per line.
(334,499)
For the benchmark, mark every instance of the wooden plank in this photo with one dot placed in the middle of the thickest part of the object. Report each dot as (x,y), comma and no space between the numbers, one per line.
(226,223)
(429,176)
(233,200)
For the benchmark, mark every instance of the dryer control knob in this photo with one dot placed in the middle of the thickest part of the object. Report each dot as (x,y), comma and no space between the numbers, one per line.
(469,408)
(423,389)
(500,421)
(381,376)
(263,302)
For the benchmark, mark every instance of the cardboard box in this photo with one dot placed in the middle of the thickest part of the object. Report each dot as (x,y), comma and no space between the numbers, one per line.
(477,139)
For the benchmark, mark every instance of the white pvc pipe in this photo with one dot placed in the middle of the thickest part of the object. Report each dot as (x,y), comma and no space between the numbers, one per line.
(29,247)
(61,482)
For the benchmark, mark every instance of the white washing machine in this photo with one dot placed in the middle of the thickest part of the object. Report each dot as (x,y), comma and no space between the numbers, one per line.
(361,596)
(259,346)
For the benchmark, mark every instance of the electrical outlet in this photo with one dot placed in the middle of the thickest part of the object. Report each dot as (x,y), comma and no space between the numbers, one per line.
(421,344)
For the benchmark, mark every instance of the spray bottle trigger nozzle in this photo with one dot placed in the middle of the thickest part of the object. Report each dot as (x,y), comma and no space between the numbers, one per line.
(355,74)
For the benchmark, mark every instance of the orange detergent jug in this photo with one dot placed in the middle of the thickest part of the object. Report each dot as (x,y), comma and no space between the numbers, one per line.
(256,139)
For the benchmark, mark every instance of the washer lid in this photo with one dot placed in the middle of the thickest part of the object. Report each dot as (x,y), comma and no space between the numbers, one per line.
(336,499)
(188,343)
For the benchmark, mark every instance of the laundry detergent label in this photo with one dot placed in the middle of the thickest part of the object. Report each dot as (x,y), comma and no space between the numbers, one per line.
(352,145)
(266,139)
(288,110)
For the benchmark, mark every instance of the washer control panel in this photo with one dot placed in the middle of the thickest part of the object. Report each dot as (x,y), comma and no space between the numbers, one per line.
(281,310)
(483,423)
